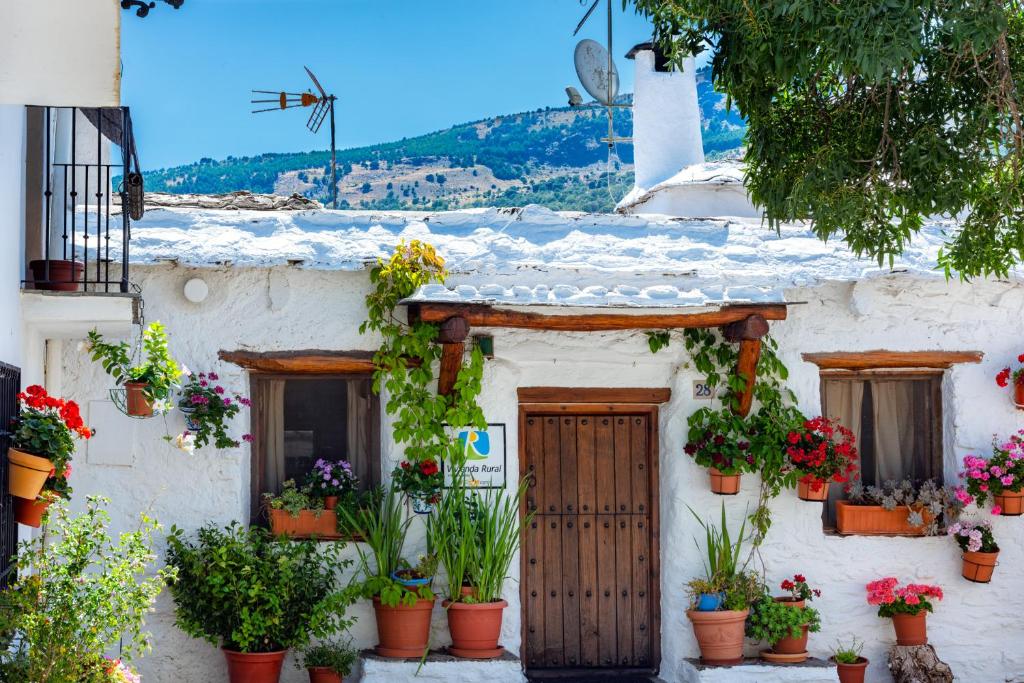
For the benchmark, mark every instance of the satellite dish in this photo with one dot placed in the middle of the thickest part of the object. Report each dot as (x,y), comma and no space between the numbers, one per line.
(593,66)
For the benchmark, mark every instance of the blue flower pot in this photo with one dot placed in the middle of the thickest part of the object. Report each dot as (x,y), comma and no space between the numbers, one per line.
(411,583)
(709,602)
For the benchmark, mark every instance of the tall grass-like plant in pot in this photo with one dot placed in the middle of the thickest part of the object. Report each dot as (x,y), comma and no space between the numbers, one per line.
(476,535)
(256,596)
(850,665)
(719,632)
(403,612)
(148,383)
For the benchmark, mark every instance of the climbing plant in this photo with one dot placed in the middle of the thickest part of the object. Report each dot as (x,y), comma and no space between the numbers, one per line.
(408,353)
(763,431)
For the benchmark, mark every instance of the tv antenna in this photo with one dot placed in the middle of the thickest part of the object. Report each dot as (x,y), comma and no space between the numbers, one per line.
(323,106)
(598,75)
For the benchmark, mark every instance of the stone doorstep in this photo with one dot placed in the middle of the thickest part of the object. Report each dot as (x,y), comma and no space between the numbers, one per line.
(754,670)
(440,666)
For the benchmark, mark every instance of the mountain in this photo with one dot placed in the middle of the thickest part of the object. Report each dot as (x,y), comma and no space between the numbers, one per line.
(550,156)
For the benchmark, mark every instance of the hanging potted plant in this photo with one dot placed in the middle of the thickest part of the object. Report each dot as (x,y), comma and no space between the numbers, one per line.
(1006,376)
(208,410)
(850,665)
(821,452)
(785,623)
(979,547)
(718,441)
(329,662)
(281,595)
(333,481)
(476,536)
(421,481)
(1001,477)
(297,513)
(31,512)
(908,607)
(403,613)
(719,631)
(893,509)
(42,441)
(147,385)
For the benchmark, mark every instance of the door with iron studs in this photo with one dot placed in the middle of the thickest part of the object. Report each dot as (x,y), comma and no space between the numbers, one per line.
(588,579)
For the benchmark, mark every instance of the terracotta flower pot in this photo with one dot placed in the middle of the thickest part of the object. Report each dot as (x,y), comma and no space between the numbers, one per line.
(330,502)
(875,520)
(806,491)
(978,567)
(403,631)
(136,402)
(254,667)
(851,673)
(27,473)
(719,635)
(1011,502)
(911,629)
(64,275)
(475,628)
(30,512)
(308,524)
(321,674)
(790,645)
(724,484)
(1018,396)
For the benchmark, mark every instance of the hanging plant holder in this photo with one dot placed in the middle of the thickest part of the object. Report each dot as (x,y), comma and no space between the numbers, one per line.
(122,402)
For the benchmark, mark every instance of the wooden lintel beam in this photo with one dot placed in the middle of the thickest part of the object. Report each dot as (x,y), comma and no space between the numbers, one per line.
(876,360)
(451,363)
(746,367)
(483,315)
(303,362)
(654,395)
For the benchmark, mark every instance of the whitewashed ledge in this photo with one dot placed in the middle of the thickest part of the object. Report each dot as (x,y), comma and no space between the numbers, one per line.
(440,667)
(755,671)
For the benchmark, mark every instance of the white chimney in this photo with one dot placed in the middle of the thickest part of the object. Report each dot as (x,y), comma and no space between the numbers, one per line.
(666,119)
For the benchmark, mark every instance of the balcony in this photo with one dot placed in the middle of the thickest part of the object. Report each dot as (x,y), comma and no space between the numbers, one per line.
(77,232)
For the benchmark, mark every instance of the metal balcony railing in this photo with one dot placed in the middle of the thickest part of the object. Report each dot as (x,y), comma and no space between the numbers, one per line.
(84,235)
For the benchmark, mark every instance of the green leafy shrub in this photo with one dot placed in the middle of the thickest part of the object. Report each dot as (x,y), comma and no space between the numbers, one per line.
(771,620)
(158,371)
(78,594)
(294,500)
(250,592)
(338,657)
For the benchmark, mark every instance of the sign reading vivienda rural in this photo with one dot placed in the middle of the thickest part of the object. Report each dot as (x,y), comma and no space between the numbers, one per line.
(484,452)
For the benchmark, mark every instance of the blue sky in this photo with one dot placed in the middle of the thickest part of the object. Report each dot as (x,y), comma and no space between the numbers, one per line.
(399,67)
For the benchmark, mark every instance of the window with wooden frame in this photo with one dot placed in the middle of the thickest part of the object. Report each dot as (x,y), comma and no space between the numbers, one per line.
(298,419)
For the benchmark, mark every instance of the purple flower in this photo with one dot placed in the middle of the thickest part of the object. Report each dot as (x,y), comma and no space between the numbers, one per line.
(213,376)
(247,438)
(203,383)
(218,390)
(244,401)
(227,401)
(199,400)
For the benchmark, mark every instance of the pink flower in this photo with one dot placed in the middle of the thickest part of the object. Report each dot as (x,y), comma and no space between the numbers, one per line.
(1006,479)
(213,376)
(247,438)
(218,390)
(997,510)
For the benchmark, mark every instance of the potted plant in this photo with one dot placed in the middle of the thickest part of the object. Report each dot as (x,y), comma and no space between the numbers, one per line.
(979,547)
(255,595)
(32,512)
(849,663)
(718,441)
(79,591)
(893,509)
(719,632)
(329,662)
(1017,376)
(147,385)
(42,441)
(783,623)
(65,275)
(208,410)
(403,613)
(1001,477)
(297,513)
(422,574)
(821,452)
(476,535)
(333,480)
(421,481)
(908,607)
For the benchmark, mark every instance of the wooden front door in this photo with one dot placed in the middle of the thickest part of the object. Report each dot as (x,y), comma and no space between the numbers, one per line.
(590,569)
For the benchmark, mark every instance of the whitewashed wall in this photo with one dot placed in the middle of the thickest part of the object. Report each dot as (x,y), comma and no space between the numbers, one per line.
(288,308)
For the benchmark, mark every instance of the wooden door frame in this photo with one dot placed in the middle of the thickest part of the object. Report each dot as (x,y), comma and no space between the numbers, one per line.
(595,401)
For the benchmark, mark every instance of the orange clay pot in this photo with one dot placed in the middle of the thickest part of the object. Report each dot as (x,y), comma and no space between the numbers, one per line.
(403,631)
(1018,396)
(330,502)
(321,674)
(851,673)
(911,629)
(26,474)
(30,512)
(475,628)
(790,645)
(806,491)
(719,635)
(724,484)
(978,567)
(254,667)
(1011,502)
(136,402)
(875,520)
(308,524)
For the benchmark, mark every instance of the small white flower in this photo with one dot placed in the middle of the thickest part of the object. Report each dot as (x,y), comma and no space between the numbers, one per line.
(185,371)
(185,442)
(84,346)
(162,406)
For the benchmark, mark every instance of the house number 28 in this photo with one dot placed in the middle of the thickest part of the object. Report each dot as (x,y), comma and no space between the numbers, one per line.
(702,391)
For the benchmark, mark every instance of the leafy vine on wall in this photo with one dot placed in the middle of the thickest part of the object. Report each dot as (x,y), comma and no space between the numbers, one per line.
(758,439)
(408,354)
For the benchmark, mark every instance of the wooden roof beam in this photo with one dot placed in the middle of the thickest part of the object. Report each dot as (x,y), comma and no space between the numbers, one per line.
(880,359)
